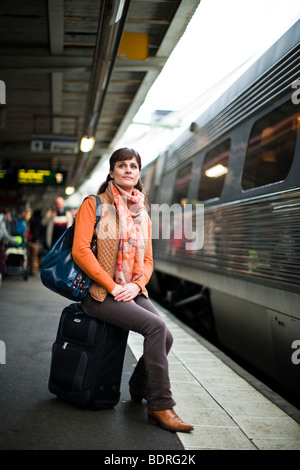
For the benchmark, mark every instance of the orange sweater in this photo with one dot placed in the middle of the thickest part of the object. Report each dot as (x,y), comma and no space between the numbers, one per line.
(86,260)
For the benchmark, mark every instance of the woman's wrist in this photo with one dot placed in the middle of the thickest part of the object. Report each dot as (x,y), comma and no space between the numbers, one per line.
(139,287)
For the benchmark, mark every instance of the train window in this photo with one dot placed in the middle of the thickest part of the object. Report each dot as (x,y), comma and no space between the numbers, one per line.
(182,184)
(213,172)
(271,147)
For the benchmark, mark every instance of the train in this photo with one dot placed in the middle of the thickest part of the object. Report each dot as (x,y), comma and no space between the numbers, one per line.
(237,168)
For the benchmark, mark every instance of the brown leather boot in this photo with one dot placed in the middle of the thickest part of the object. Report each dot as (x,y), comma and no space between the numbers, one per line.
(169,420)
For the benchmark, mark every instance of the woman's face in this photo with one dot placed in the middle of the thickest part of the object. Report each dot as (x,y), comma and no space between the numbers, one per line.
(126,174)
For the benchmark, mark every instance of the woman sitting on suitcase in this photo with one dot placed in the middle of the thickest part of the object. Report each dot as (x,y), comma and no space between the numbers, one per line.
(121,270)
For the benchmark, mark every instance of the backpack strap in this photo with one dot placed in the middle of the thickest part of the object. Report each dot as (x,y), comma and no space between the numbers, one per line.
(98,209)
(98,215)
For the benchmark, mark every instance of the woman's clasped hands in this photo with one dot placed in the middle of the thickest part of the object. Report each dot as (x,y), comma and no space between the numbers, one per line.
(125,292)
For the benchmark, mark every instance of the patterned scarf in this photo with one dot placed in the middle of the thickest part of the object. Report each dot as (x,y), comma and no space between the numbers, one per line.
(131,251)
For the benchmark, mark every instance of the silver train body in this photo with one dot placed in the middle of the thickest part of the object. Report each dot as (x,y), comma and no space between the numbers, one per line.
(249,265)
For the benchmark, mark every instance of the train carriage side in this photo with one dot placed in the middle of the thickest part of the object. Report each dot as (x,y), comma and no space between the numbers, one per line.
(241,159)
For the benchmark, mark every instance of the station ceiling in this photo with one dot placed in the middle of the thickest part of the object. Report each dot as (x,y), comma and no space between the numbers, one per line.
(66,72)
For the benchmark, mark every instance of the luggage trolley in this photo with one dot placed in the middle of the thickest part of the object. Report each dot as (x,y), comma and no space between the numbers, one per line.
(17,261)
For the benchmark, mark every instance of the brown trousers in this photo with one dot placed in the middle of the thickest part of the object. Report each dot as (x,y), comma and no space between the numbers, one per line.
(151,374)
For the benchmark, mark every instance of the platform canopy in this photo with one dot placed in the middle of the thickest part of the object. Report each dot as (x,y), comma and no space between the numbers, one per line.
(70,69)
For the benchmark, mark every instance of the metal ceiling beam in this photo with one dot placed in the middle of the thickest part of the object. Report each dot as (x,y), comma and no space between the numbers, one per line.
(46,64)
(56,31)
(148,65)
(56,26)
(57,86)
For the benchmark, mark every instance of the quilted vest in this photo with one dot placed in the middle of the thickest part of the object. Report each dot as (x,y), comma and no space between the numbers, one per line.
(108,242)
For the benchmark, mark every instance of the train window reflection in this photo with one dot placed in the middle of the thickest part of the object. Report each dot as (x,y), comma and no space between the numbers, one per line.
(214,170)
(271,147)
(182,184)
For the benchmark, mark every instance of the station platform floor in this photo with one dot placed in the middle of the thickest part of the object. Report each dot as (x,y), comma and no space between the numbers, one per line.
(230,410)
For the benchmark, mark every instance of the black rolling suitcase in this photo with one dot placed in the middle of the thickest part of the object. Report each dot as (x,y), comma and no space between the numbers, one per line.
(87,360)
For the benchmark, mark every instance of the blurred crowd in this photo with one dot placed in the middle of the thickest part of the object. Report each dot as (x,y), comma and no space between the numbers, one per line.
(26,236)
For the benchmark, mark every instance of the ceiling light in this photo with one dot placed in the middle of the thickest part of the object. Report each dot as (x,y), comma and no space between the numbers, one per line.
(87,144)
(69,190)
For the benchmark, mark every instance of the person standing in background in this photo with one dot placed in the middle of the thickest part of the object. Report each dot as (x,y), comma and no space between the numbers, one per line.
(56,222)
(20,228)
(6,238)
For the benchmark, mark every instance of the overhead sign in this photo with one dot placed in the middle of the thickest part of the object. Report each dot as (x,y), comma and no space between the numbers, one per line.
(11,176)
(134,46)
(54,145)
(45,177)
